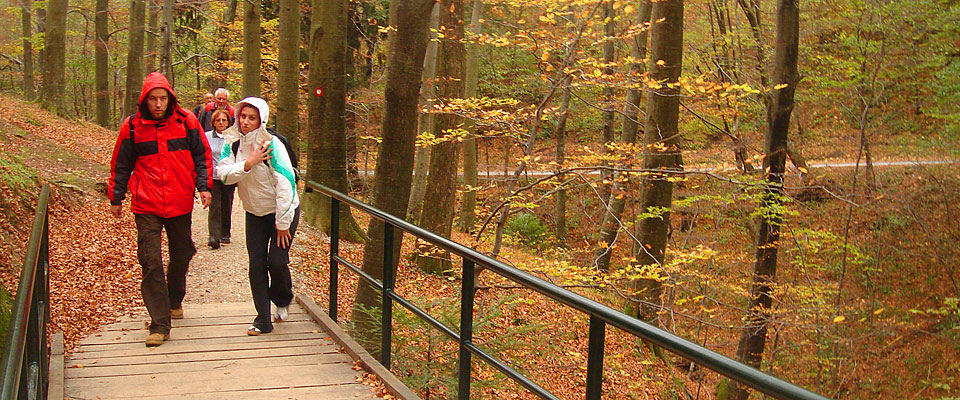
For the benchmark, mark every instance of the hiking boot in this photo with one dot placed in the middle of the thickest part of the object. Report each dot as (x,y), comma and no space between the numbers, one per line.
(155,339)
(225,240)
(176,313)
(213,243)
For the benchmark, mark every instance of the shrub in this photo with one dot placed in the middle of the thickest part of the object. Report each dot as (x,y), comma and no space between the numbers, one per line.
(526,228)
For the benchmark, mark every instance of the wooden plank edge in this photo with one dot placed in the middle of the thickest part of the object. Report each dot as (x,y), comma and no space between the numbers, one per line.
(393,384)
(56,371)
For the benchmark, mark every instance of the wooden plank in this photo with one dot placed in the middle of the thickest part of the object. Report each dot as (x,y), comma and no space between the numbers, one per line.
(200,321)
(181,383)
(56,377)
(351,392)
(204,310)
(211,344)
(205,355)
(197,332)
(278,360)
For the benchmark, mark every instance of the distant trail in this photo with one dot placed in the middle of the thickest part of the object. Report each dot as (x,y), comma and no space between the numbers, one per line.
(487,174)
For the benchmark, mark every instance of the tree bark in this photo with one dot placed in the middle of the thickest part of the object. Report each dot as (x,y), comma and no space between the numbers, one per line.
(134,59)
(442,185)
(166,42)
(230,13)
(251,48)
(153,26)
(661,152)
(425,123)
(327,163)
(754,335)
(560,204)
(468,204)
(391,187)
(53,63)
(288,73)
(610,228)
(26,14)
(102,65)
(607,115)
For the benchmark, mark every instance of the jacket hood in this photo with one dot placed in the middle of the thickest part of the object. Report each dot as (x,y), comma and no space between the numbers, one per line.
(157,80)
(256,102)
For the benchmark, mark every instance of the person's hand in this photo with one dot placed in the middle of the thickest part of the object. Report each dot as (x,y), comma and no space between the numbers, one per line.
(284,239)
(257,154)
(205,198)
(117,210)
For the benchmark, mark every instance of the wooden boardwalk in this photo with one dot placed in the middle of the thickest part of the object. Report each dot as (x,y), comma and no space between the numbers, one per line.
(210,356)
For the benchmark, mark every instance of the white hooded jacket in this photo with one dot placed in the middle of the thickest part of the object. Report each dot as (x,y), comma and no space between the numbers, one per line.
(264,189)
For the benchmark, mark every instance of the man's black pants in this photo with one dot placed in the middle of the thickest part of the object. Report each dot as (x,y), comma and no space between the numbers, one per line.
(269,271)
(161,293)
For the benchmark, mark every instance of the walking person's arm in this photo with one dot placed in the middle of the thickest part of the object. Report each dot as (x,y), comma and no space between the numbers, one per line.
(202,160)
(286,190)
(121,167)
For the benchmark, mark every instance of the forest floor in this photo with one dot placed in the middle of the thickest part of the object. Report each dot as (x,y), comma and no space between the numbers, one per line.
(95,279)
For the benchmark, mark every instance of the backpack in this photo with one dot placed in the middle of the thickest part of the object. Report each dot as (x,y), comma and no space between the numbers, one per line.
(132,128)
(286,144)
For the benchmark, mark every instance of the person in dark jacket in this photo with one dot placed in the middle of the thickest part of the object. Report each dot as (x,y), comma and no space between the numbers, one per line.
(207,100)
(163,157)
(221,101)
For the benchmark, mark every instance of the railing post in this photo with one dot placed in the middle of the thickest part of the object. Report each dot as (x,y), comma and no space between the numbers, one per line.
(595,358)
(334,252)
(466,329)
(386,311)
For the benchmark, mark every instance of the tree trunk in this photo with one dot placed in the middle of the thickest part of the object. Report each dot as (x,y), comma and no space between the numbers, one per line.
(442,185)
(251,48)
(608,32)
(327,163)
(661,152)
(29,91)
(134,59)
(153,25)
(391,187)
(610,228)
(166,42)
(102,65)
(428,94)
(230,13)
(54,56)
(288,73)
(560,205)
(751,11)
(754,335)
(468,204)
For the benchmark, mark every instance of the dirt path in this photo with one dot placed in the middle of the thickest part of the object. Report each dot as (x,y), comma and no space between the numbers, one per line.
(220,276)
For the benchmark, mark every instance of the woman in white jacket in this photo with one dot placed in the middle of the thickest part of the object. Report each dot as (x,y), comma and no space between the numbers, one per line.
(257,162)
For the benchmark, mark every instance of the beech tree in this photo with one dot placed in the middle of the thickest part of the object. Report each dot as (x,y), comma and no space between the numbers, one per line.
(425,121)
(468,203)
(26,13)
(660,151)
(251,48)
(54,57)
(753,337)
(327,163)
(391,187)
(102,65)
(442,185)
(611,226)
(134,58)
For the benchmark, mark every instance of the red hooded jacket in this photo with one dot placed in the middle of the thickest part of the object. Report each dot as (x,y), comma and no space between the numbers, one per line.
(161,161)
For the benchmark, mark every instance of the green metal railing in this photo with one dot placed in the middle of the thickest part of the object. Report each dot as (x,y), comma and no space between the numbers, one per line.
(600,315)
(25,361)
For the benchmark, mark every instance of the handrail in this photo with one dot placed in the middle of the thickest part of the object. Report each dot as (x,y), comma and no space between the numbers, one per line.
(25,361)
(600,314)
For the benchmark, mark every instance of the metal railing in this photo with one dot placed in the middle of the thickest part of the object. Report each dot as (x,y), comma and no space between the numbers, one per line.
(600,315)
(25,361)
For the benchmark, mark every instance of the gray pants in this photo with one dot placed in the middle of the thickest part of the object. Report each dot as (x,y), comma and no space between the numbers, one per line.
(221,209)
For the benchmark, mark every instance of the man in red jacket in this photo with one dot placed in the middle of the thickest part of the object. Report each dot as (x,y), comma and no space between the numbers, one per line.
(163,157)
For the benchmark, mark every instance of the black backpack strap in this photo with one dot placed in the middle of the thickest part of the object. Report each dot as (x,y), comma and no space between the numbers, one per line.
(131,128)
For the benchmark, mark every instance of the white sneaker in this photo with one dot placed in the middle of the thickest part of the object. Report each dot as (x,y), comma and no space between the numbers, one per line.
(282,313)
